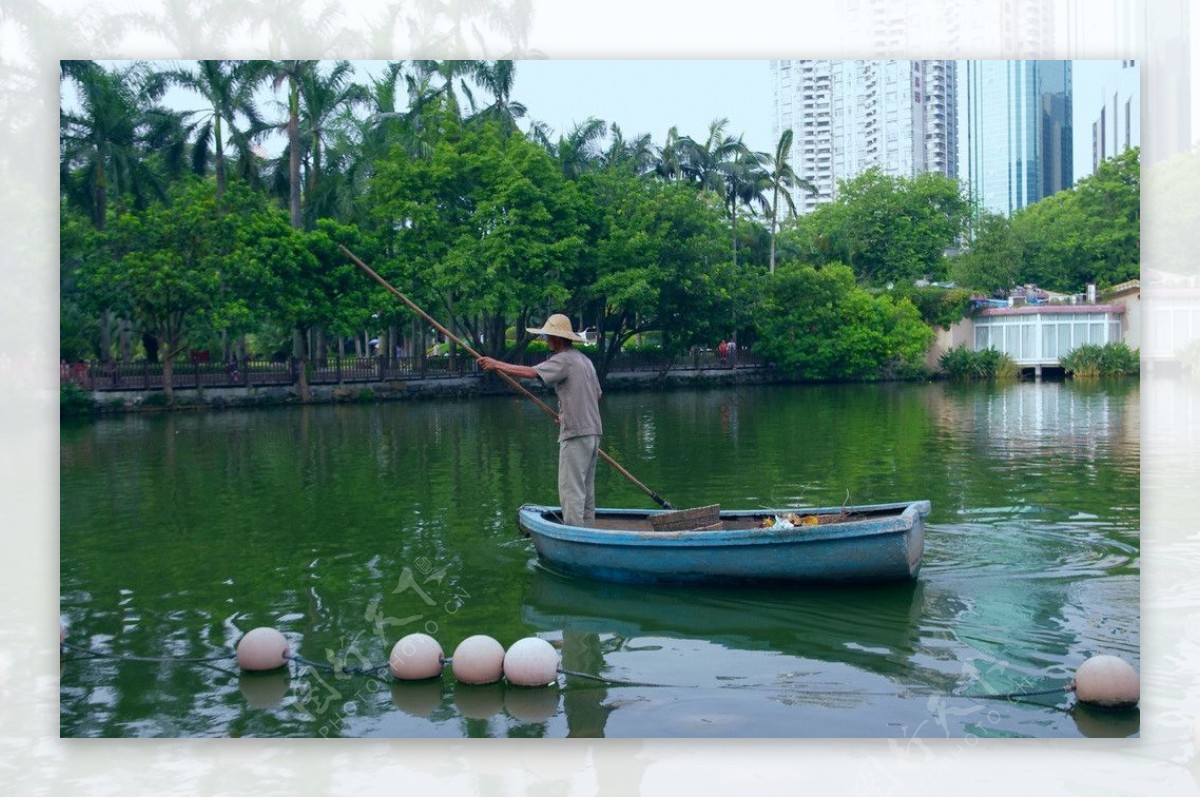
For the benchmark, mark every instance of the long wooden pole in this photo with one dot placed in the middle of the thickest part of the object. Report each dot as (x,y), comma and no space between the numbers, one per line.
(507,378)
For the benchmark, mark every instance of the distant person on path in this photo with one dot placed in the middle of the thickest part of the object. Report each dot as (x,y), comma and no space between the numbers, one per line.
(722,351)
(732,351)
(574,380)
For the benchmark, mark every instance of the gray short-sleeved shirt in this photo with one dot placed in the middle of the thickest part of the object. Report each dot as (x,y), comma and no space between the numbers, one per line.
(574,380)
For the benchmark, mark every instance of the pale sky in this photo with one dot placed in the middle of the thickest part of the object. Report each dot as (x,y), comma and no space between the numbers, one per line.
(651,96)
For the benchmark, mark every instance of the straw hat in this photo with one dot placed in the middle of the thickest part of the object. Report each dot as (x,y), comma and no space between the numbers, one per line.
(559,326)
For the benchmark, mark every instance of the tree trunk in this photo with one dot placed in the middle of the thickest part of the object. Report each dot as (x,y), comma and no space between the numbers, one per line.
(169,378)
(774,220)
(105,335)
(220,153)
(125,337)
(300,348)
(294,155)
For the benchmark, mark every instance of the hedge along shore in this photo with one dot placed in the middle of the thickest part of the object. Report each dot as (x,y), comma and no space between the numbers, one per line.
(474,385)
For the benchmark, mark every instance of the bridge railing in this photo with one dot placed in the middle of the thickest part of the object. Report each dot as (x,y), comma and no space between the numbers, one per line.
(142,375)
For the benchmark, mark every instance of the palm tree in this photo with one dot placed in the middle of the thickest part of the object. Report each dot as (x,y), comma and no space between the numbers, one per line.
(292,73)
(635,154)
(577,152)
(745,184)
(119,134)
(671,156)
(724,165)
(228,87)
(326,103)
(449,71)
(498,77)
(709,163)
(783,179)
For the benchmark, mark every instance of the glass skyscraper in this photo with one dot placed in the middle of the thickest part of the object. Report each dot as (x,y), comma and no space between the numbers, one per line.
(1019,132)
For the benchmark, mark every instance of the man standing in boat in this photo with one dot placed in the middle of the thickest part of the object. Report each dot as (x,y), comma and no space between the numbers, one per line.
(574,380)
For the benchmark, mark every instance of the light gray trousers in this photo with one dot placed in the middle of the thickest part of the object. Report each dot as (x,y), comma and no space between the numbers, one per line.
(577,479)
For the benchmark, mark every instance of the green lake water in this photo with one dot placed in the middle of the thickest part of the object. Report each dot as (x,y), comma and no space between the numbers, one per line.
(347,527)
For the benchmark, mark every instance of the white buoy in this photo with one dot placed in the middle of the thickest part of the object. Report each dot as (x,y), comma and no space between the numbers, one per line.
(263,649)
(416,656)
(531,662)
(1107,681)
(478,660)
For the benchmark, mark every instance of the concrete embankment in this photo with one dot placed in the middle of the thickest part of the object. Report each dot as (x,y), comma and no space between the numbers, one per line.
(399,390)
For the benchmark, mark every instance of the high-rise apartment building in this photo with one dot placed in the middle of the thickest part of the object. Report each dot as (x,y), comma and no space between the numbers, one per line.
(1018,137)
(1116,125)
(850,116)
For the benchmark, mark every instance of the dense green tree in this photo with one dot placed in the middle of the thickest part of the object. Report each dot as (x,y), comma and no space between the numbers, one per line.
(1086,234)
(79,244)
(654,262)
(482,230)
(819,325)
(166,273)
(994,260)
(886,228)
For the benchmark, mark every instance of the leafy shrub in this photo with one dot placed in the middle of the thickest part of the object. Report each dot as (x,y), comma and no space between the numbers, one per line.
(1094,360)
(961,363)
(819,325)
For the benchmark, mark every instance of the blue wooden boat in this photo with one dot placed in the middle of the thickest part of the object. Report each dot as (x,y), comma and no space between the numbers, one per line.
(862,543)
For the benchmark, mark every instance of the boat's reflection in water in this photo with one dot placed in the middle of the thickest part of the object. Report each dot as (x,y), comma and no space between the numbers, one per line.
(688,634)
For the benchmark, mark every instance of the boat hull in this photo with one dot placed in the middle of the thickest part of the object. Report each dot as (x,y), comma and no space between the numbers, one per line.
(874,543)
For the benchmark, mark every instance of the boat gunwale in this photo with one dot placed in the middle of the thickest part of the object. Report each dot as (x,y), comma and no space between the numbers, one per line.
(878,520)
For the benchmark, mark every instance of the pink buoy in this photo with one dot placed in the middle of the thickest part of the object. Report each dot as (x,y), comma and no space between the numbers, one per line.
(531,662)
(263,649)
(1107,681)
(478,660)
(416,656)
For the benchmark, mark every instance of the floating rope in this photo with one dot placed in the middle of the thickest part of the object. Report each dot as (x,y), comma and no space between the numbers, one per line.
(615,682)
(1126,698)
(372,670)
(369,670)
